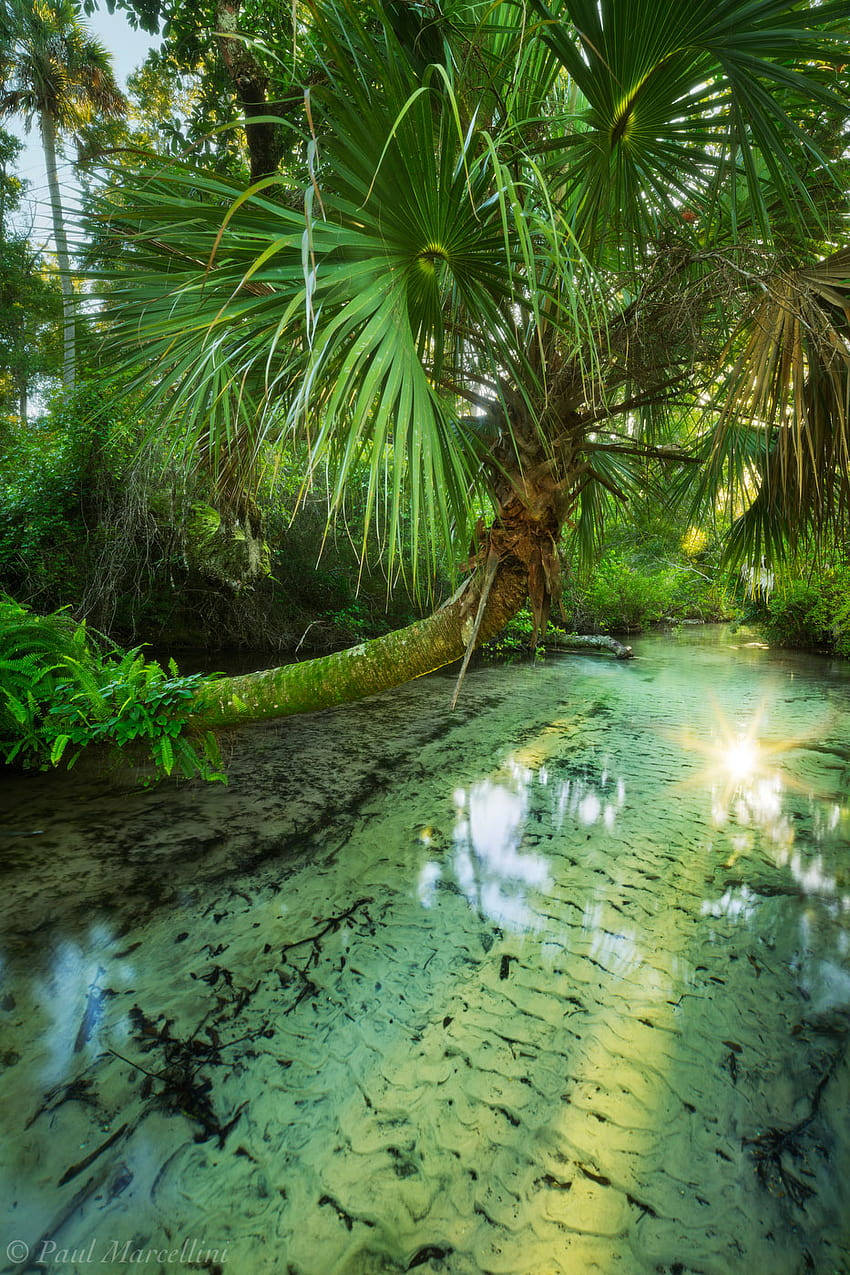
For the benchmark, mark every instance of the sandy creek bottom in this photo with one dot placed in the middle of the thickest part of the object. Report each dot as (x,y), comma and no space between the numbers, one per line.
(557,983)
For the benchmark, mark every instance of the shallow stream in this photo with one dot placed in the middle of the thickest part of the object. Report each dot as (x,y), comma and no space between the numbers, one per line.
(558,983)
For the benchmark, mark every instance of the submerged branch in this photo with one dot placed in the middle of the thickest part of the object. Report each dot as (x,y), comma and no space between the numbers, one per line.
(590,642)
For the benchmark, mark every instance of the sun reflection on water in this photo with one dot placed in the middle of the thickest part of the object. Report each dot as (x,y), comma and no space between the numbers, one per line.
(749,788)
(743,774)
(741,758)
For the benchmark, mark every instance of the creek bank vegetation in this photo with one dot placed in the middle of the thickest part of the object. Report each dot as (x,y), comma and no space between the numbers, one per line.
(65,689)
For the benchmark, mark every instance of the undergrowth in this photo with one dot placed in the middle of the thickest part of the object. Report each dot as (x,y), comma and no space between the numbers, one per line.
(63,689)
(811,611)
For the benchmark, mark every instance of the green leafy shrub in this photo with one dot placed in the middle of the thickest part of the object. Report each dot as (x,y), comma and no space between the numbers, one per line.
(618,597)
(624,599)
(694,596)
(51,475)
(514,639)
(61,691)
(624,593)
(93,515)
(812,613)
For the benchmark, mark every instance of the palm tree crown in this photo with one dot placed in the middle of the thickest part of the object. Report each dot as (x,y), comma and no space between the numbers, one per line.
(532,239)
(52,66)
(53,72)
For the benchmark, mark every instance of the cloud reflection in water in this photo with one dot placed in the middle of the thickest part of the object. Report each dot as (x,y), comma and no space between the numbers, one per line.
(500,820)
(489,866)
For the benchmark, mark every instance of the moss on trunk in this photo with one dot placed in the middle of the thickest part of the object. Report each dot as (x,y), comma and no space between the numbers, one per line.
(366,669)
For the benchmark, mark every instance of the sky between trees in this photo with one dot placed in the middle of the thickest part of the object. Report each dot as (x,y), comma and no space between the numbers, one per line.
(128,49)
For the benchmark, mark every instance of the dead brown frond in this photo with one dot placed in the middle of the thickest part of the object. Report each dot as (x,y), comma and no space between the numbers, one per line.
(791,384)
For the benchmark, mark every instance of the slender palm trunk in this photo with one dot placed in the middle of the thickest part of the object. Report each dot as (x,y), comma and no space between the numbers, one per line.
(373,666)
(48,137)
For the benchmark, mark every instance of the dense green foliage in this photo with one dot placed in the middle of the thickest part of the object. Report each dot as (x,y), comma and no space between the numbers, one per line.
(91,519)
(63,690)
(627,596)
(652,565)
(811,609)
(506,257)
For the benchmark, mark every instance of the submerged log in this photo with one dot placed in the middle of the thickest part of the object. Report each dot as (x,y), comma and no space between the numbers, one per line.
(589,642)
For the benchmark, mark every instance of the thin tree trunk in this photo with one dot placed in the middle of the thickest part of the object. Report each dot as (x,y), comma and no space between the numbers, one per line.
(48,137)
(22,400)
(373,666)
(265,141)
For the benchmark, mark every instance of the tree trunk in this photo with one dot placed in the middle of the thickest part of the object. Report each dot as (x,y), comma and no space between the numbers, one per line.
(516,559)
(589,642)
(371,667)
(264,148)
(265,145)
(23,404)
(48,137)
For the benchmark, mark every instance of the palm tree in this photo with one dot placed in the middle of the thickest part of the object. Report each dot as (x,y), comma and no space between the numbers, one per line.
(53,71)
(535,245)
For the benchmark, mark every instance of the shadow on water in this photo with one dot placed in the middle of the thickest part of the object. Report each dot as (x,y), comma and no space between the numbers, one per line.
(556,983)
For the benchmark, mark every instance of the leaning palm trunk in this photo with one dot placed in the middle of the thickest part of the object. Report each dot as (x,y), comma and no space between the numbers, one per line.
(515,560)
(373,666)
(48,136)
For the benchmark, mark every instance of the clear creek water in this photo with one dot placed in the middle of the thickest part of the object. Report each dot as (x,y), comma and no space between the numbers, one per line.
(558,983)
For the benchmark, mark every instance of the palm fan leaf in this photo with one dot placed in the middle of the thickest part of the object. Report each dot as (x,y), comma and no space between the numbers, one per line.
(413,281)
(671,93)
(782,438)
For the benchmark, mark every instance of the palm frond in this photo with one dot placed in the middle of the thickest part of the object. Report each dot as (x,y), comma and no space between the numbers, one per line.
(668,92)
(781,441)
(422,271)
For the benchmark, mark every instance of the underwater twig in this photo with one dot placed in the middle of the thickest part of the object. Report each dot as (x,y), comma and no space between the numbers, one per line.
(308,987)
(93,1155)
(769,1147)
(88,1189)
(331,924)
(79,1089)
(183,1090)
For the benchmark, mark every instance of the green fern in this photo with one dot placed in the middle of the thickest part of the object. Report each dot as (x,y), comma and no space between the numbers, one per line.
(63,689)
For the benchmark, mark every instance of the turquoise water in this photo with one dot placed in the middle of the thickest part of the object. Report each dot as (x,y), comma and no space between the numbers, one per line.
(557,983)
